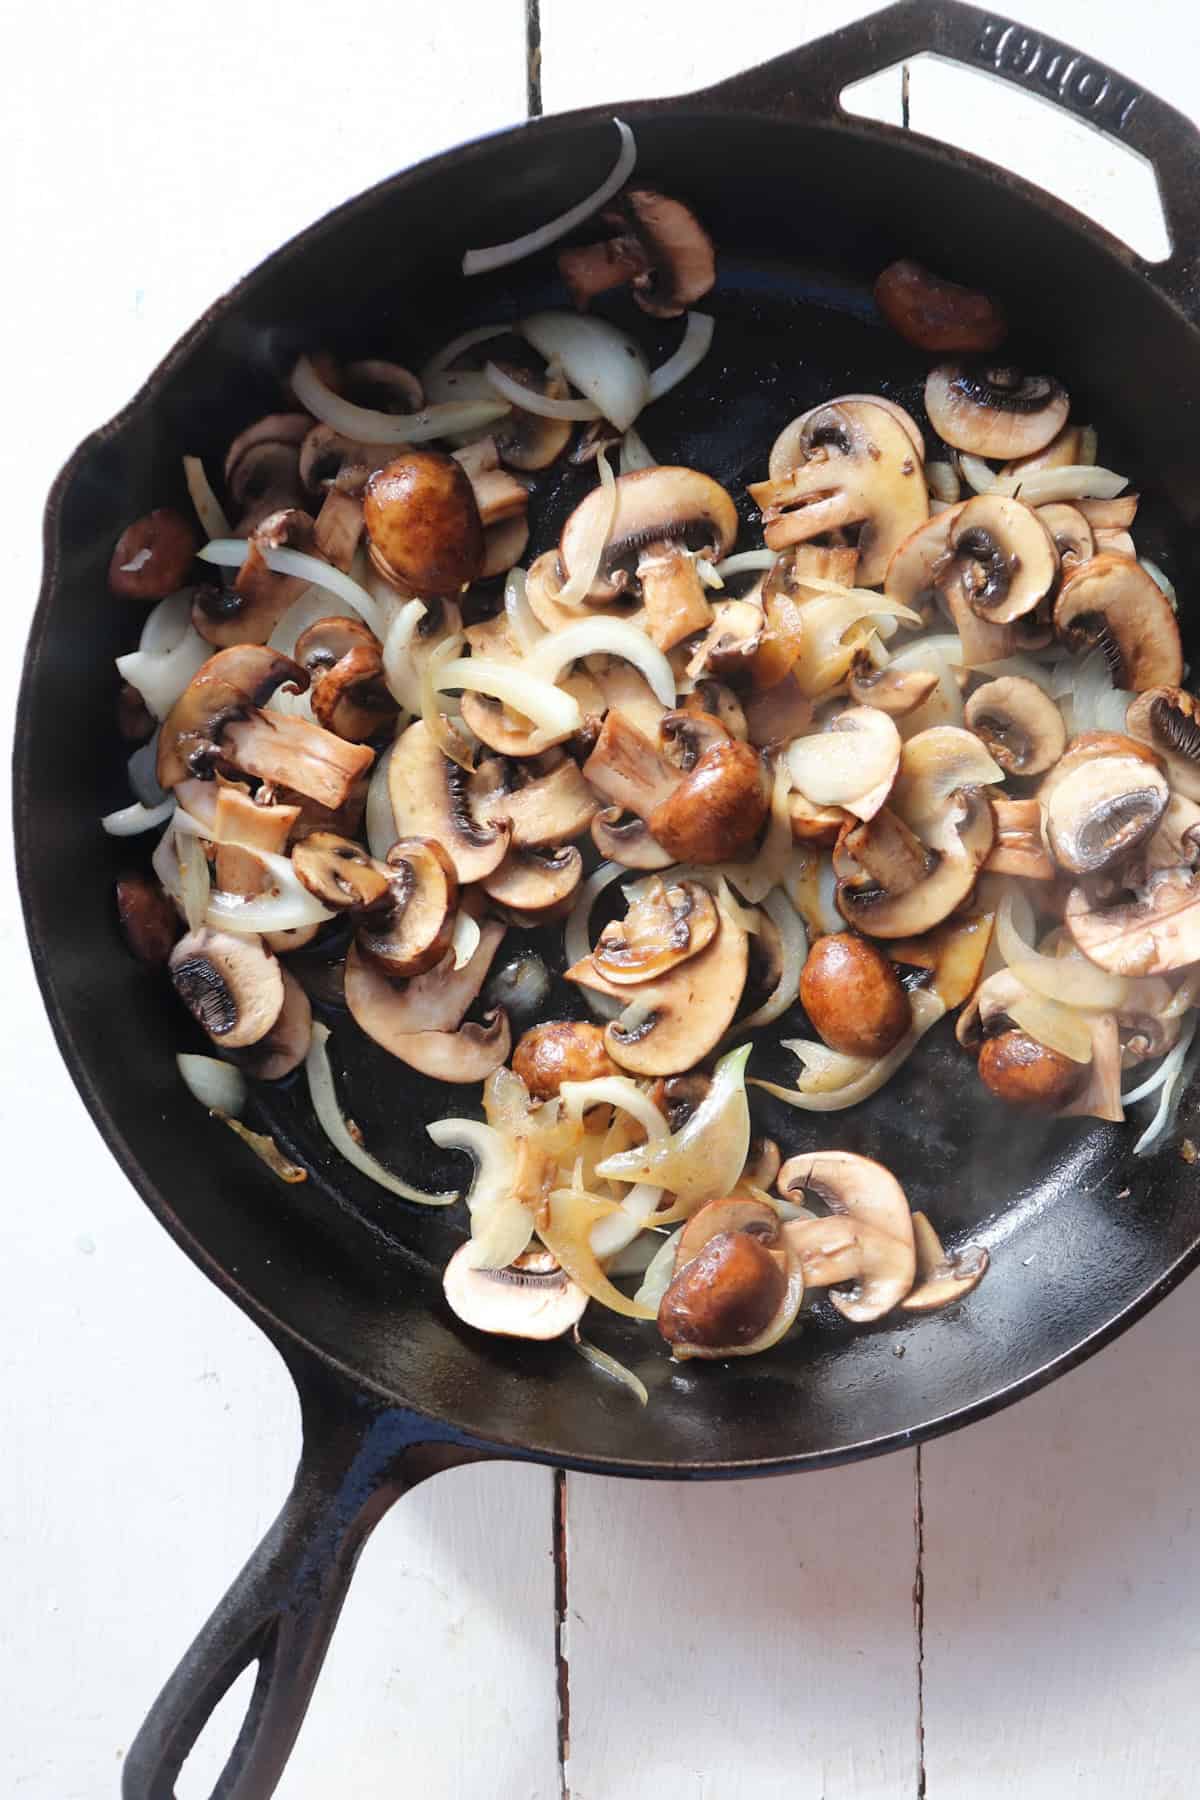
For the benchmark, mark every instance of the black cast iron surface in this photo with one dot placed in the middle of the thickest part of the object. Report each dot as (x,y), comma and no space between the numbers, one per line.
(806,206)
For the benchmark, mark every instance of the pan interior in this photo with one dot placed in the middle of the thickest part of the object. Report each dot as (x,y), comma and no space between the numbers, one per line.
(1082,1234)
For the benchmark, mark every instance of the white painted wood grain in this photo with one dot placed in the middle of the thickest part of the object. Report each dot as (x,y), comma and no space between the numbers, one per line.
(743,1641)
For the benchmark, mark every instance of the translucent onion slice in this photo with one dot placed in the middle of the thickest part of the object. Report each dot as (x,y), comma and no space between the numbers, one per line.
(363,425)
(466,340)
(329,1116)
(131,821)
(693,348)
(825,1071)
(209,510)
(498,256)
(604,637)
(704,1158)
(305,610)
(1057,1026)
(445,735)
(927,1009)
(399,671)
(524,689)
(1096,704)
(1161,579)
(195,882)
(1076,481)
(215,1084)
(979,476)
(620,1091)
(746,562)
(143,778)
(754,880)
(465,941)
(636,1210)
(380,819)
(793,943)
(230,553)
(575,589)
(524,627)
(606,365)
(660,1273)
(501,1225)
(1041,673)
(286,909)
(531,401)
(600,1359)
(577,942)
(635,453)
(1174,1085)
(169,653)
(565,1227)
(1072,980)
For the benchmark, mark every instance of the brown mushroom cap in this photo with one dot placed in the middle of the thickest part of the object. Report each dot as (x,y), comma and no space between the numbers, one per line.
(662,505)
(724,1298)
(152,557)
(853,997)
(534,886)
(994,410)
(1112,602)
(1167,719)
(756,1218)
(423,523)
(231,985)
(532,1298)
(1022,1072)
(679,252)
(1100,810)
(1020,724)
(717,811)
(1003,556)
(560,1050)
(933,314)
(148,918)
(431,799)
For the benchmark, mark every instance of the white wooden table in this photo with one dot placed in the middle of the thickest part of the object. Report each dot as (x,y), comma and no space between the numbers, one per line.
(1012,1612)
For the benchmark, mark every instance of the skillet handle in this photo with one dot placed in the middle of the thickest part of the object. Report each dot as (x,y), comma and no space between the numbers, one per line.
(807,82)
(357,1458)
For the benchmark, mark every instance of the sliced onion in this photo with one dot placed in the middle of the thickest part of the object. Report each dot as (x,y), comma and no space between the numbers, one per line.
(604,364)
(577,942)
(524,627)
(635,454)
(660,1274)
(693,348)
(604,637)
(755,879)
(707,572)
(170,653)
(131,821)
(402,676)
(746,562)
(635,1211)
(329,1117)
(523,689)
(501,1224)
(466,340)
(465,941)
(380,819)
(195,882)
(600,1359)
(946,644)
(141,770)
(286,909)
(445,735)
(927,1009)
(1096,705)
(1174,1084)
(231,553)
(793,944)
(1051,1023)
(619,1091)
(363,425)
(1047,487)
(530,400)
(1026,669)
(810,884)
(306,609)
(1161,579)
(565,1227)
(1072,980)
(825,1071)
(977,473)
(209,510)
(942,482)
(215,1084)
(498,256)
(704,1158)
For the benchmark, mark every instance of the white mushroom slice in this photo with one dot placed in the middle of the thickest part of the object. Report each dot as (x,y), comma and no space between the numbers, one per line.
(430,799)
(1151,934)
(934,765)
(434,1002)
(911,577)
(1112,602)
(536,885)
(1019,724)
(627,840)
(852,764)
(729,647)
(942,1279)
(994,411)
(542,807)
(1073,536)
(871,1196)
(655,508)
(1002,556)
(829,1250)
(838,422)
(1074,446)
(958,844)
(897,692)
(1018,849)
(231,985)
(531,1298)
(1100,811)
(662,929)
(1166,719)
(285,1046)
(875,482)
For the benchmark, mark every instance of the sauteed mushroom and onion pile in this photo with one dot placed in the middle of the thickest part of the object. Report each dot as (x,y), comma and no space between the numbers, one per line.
(920,746)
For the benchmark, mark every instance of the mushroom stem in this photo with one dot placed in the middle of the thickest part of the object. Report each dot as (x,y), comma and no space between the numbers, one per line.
(676,605)
(291,753)
(627,770)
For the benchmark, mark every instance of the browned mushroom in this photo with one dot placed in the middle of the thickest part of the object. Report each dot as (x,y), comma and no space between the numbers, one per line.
(1018,848)
(994,410)
(543,802)
(153,556)
(430,799)
(853,997)
(1112,602)
(423,524)
(717,811)
(148,918)
(248,612)
(532,887)
(660,248)
(1167,719)
(1022,1072)
(560,1050)
(938,315)
(1002,556)
(1096,808)
(662,929)
(1020,724)
(232,985)
(341,873)
(414,935)
(344,661)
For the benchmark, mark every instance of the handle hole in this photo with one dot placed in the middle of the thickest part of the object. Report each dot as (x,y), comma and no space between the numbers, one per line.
(1098,175)
(210,1753)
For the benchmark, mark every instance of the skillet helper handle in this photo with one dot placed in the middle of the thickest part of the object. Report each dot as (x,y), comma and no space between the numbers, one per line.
(281,1610)
(808,82)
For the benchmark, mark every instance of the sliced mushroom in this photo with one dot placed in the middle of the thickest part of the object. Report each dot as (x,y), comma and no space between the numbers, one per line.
(718,702)
(852,763)
(503,546)
(896,692)
(1073,536)
(941,1279)
(867,474)
(1112,602)
(231,985)
(499,496)
(933,314)
(884,848)
(853,997)
(762,1163)
(1175,845)
(430,799)
(534,886)
(330,462)
(423,525)
(462,1057)
(1018,849)
(994,410)
(870,1195)
(542,585)
(655,509)
(781,713)
(1020,724)
(836,424)
(434,1002)
(936,763)
(717,810)
(1100,1098)
(1150,934)
(1110,515)
(820,825)
(958,843)
(1074,446)
(341,873)
(544,804)
(1168,719)
(627,769)
(1100,810)
(1002,556)
(248,612)
(560,1050)
(660,248)
(661,930)
(415,933)
(626,839)
(684,736)
(683,1015)
(756,1218)
(152,557)
(337,529)
(285,1046)
(911,577)
(829,1250)
(344,662)
(731,648)
(248,484)
(531,1298)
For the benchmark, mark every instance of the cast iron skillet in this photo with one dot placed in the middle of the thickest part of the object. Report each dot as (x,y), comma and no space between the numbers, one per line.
(807,205)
